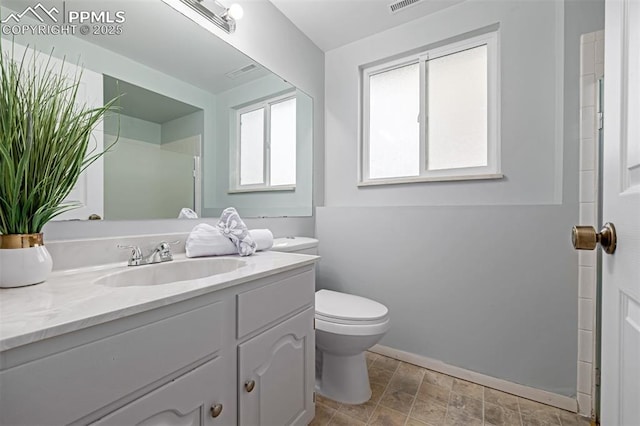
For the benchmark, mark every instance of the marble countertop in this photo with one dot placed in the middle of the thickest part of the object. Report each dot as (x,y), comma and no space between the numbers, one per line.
(70,300)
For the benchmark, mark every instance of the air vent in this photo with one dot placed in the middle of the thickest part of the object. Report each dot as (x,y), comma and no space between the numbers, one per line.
(242,71)
(397,6)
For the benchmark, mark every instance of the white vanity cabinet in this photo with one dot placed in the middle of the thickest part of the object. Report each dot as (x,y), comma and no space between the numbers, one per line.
(187,363)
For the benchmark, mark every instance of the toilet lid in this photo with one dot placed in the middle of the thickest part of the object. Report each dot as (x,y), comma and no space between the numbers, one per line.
(342,306)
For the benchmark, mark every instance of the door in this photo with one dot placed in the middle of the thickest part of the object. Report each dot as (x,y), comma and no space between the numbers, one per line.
(276,374)
(620,400)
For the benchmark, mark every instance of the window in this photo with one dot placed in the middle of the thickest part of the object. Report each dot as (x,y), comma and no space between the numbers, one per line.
(266,146)
(432,116)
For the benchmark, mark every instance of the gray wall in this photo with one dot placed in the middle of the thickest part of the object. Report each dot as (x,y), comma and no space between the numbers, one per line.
(480,275)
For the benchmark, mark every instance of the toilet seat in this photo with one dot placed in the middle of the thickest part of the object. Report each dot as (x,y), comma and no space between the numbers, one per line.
(350,315)
(352,329)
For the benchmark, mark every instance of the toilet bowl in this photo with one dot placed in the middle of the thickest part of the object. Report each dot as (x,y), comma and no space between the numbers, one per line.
(346,326)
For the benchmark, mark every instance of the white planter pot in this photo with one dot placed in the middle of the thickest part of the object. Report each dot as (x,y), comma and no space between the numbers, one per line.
(24,266)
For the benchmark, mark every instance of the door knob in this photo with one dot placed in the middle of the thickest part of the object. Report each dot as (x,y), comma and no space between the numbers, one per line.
(250,385)
(586,238)
(216,410)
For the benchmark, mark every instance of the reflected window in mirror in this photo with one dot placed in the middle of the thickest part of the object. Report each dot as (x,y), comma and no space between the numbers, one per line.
(265,146)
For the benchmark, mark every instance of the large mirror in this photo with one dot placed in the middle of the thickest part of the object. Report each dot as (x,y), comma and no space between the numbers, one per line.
(199,126)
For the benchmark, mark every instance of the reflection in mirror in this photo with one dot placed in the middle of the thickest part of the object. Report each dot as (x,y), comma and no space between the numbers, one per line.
(185,97)
(153,170)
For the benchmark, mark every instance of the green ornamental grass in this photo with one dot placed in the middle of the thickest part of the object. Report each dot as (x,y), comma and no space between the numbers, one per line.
(45,140)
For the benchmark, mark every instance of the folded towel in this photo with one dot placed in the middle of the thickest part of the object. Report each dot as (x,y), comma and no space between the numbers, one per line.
(232,227)
(187,213)
(207,240)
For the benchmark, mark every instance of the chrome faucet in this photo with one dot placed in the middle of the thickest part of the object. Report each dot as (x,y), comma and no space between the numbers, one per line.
(162,253)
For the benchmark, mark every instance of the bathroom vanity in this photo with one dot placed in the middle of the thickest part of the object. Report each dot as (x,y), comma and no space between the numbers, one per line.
(234,348)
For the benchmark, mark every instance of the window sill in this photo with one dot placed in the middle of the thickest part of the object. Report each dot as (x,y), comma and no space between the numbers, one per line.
(262,189)
(418,179)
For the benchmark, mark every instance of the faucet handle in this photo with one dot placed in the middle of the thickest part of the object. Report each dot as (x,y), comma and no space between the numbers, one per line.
(164,248)
(136,254)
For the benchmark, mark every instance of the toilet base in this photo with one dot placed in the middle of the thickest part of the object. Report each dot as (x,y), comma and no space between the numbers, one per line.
(344,378)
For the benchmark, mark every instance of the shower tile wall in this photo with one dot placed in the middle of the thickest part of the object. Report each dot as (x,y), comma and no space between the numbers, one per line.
(591,69)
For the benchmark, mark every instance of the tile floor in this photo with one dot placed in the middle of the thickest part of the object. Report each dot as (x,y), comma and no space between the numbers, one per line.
(405,394)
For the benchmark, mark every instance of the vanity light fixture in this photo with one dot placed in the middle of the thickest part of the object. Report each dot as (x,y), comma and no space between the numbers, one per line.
(202,13)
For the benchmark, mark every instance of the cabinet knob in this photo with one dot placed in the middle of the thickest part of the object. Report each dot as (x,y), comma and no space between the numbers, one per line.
(216,410)
(249,385)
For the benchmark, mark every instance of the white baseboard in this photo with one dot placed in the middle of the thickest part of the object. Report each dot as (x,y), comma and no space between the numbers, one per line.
(549,398)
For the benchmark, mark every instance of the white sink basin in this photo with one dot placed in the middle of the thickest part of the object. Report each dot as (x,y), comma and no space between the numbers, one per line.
(165,273)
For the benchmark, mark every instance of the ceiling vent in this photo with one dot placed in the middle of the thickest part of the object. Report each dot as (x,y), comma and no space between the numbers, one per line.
(397,6)
(242,71)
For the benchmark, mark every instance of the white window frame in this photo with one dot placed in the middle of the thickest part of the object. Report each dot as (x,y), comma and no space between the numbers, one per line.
(236,187)
(492,169)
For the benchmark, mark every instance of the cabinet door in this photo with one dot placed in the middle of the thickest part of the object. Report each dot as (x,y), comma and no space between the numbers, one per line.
(280,364)
(185,401)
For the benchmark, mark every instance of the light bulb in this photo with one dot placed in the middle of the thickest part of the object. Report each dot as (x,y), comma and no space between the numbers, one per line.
(235,12)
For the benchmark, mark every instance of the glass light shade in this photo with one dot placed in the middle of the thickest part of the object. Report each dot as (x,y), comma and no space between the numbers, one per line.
(235,12)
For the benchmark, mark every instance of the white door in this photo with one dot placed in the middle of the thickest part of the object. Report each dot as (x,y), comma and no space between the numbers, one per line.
(620,396)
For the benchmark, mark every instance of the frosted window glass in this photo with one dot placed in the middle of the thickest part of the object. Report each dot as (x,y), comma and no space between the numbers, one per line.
(394,130)
(252,147)
(283,143)
(457,109)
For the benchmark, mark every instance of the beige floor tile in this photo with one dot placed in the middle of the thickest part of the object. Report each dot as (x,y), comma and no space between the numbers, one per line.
(323,415)
(370,357)
(376,392)
(379,375)
(341,419)
(397,400)
(534,421)
(541,412)
(411,369)
(462,404)
(327,402)
(405,381)
(430,392)
(360,412)
(384,416)
(429,412)
(439,379)
(386,363)
(457,417)
(414,422)
(501,399)
(496,415)
(463,387)
(572,419)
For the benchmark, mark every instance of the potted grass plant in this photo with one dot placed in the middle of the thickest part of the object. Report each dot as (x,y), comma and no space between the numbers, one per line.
(45,144)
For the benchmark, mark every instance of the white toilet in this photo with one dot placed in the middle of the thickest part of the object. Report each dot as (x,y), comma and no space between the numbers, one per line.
(346,326)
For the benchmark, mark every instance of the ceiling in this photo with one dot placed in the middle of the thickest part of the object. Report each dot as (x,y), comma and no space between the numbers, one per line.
(144,104)
(334,23)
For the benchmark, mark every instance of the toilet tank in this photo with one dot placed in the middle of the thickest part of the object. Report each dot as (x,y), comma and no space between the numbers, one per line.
(302,245)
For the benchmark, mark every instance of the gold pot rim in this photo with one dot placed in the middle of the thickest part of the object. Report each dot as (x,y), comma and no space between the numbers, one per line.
(18,241)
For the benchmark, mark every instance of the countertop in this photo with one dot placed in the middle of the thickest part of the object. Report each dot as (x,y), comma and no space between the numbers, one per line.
(70,300)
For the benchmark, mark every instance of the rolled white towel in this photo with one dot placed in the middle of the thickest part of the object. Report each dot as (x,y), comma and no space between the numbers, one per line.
(207,240)
(262,237)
